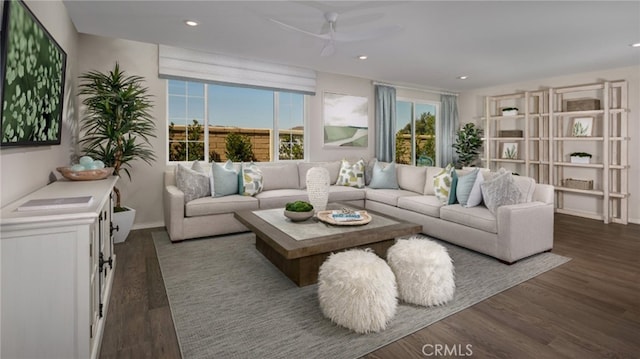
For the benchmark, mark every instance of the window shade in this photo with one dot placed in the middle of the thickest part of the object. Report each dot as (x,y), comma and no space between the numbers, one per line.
(180,63)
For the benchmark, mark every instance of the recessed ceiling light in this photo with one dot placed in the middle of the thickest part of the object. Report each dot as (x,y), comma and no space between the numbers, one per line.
(463,77)
(191,23)
(637,44)
(362,57)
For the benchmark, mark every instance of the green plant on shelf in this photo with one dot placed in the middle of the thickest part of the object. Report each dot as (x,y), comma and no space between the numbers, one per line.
(580,154)
(580,129)
(510,153)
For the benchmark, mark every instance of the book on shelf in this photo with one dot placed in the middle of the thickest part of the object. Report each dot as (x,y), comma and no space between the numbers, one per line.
(56,203)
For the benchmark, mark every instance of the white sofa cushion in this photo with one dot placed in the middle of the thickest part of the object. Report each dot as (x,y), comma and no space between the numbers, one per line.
(218,205)
(428,205)
(280,176)
(527,186)
(428,183)
(278,198)
(411,178)
(303,167)
(387,196)
(342,193)
(477,217)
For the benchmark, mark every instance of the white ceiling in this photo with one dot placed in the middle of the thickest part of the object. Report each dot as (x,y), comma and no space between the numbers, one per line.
(491,42)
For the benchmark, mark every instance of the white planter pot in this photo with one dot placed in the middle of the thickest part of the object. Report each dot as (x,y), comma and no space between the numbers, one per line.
(123,221)
(581,160)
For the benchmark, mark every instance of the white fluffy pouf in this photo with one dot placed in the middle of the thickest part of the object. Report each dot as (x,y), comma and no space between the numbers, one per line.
(357,290)
(424,271)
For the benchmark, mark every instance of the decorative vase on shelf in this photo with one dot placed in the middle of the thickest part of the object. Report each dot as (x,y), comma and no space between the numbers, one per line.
(318,181)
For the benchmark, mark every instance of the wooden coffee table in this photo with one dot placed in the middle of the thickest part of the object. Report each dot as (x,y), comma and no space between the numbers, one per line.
(299,248)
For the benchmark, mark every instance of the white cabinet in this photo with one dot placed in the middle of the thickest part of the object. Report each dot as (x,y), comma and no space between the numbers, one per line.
(549,131)
(56,272)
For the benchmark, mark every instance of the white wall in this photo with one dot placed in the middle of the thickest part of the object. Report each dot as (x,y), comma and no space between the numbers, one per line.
(144,191)
(471,107)
(25,169)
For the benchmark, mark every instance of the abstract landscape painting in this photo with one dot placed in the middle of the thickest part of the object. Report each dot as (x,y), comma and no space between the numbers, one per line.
(346,120)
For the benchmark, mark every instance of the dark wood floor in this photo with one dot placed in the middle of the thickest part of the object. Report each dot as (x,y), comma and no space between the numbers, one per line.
(587,308)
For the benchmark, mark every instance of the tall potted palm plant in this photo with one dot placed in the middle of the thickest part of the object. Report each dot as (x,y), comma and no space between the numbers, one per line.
(116,129)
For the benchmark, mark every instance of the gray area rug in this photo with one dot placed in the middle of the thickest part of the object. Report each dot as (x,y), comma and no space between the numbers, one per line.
(228,301)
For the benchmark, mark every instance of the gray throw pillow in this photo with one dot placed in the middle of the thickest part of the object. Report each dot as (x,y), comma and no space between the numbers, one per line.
(192,183)
(500,191)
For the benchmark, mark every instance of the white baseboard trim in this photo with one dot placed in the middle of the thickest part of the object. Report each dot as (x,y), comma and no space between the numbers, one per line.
(634,220)
(147,225)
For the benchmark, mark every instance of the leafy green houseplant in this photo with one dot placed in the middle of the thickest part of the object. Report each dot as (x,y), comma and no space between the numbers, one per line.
(117,124)
(468,143)
(116,129)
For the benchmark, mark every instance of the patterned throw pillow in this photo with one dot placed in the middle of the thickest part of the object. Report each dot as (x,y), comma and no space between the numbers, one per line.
(192,183)
(351,176)
(224,179)
(250,180)
(442,183)
(499,191)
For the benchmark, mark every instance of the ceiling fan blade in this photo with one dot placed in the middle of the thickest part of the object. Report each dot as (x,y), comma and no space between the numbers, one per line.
(367,35)
(291,27)
(328,49)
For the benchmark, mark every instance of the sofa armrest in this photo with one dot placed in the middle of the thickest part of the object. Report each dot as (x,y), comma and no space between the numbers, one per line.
(174,212)
(524,229)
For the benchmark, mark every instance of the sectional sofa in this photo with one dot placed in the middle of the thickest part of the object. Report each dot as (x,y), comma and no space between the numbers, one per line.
(514,232)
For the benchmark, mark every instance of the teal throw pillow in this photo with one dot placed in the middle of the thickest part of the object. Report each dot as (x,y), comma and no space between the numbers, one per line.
(464,186)
(475,197)
(224,179)
(384,178)
(454,184)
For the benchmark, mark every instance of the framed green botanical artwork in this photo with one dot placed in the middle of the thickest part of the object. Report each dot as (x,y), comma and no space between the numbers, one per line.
(32,76)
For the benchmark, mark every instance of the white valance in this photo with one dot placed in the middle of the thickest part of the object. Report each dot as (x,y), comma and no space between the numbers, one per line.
(175,62)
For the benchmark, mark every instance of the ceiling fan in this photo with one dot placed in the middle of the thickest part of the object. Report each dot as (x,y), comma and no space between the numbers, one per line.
(331,36)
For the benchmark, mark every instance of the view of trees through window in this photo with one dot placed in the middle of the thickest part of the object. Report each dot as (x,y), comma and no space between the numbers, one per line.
(211,122)
(416,134)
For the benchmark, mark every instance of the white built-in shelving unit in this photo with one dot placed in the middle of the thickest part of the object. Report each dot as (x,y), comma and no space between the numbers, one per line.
(548,140)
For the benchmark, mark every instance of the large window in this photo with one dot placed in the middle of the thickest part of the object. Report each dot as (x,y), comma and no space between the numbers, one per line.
(416,132)
(237,123)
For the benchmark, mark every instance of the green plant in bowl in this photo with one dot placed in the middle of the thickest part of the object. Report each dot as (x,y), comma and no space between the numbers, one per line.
(298,211)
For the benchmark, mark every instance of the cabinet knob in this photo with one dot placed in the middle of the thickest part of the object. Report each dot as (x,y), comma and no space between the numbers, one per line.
(116,228)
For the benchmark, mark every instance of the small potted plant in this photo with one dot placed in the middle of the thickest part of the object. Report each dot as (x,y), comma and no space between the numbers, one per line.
(298,211)
(580,157)
(510,111)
